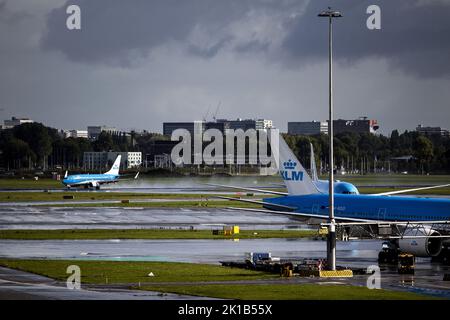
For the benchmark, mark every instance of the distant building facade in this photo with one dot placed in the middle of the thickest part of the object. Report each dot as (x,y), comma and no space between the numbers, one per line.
(8,124)
(428,131)
(95,131)
(308,128)
(220,124)
(75,134)
(192,127)
(103,160)
(361,125)
(245,124)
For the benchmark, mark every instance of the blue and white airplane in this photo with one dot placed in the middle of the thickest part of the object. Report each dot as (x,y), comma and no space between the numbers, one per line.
(94,180)
(417,224)
(323,185)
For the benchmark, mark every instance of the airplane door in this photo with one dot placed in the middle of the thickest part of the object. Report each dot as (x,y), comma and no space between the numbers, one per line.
(382,213)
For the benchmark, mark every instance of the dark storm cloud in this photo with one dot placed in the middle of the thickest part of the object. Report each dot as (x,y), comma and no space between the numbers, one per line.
(414,36)
(117,31)
(9,17)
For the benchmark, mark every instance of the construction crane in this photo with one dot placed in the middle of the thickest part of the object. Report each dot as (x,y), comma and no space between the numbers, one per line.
(217,110)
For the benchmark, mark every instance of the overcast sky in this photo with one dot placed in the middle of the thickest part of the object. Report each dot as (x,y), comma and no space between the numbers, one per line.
(138,63)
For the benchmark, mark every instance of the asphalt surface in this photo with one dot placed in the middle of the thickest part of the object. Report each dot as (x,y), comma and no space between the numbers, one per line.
(32,217)
(356,254)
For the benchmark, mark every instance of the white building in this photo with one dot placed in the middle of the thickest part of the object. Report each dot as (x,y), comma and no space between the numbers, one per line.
(8,124)
(104,160)
(75,134)
(263,124)
(94,131)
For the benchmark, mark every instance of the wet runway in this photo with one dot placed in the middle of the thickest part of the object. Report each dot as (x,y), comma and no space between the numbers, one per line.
(32,217)
(355,253)
(358,254)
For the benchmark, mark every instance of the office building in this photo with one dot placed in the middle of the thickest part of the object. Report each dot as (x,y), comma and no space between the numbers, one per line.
(428,131)
(94,131)
(308,128)
(8,124)
(104,160)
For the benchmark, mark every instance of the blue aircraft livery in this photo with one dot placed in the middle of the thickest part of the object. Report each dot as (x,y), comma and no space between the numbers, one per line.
(290,173)
(94,180)
(418,225)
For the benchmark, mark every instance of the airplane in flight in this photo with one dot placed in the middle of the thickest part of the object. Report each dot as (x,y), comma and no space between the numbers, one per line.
(413,225)
(95,180)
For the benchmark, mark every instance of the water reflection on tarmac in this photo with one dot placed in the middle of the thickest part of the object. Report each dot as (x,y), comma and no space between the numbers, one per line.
(358,254)
(58,218)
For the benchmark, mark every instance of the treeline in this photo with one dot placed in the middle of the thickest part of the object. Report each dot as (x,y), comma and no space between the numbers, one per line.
(367,153)
(34,146)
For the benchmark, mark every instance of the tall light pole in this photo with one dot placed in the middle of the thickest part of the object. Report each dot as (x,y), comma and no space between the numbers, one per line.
(331,241)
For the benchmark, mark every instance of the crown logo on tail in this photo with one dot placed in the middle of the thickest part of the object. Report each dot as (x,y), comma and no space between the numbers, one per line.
(289,165)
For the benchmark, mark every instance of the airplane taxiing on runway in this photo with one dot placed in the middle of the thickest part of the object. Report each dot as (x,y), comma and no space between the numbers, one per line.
(418,225)
(95,180)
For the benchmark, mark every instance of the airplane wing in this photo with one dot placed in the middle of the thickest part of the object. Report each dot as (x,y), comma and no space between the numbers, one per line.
(279,206)
(297,214)
(135,177)
(409,190)
(248,189)
(347,221)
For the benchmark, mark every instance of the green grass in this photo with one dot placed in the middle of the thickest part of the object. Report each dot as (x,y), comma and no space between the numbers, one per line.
(133,273)
(287,292)
(91,234)
(14,183)
(125,272)
(394,179)
(439,191)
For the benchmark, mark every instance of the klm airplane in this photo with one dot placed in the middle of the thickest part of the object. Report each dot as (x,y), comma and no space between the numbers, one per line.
(338,186)
(416,225)
(94,180)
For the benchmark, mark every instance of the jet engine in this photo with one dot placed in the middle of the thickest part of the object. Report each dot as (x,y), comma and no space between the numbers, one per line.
(425,245)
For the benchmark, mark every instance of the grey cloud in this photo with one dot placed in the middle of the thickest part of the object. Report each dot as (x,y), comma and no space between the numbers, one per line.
(414,36)
(115,31)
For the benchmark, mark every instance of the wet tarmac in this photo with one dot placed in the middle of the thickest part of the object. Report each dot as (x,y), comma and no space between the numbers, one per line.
(33,217)
(356,254)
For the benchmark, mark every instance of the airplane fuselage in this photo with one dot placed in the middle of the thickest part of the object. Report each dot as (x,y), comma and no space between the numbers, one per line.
(368,207)
(86,179)
(338,187)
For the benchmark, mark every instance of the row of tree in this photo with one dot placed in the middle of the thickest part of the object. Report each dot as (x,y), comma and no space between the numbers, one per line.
(32,145)
(363,153)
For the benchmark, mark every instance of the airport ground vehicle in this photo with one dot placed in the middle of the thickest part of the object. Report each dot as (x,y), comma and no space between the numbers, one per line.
(406,263)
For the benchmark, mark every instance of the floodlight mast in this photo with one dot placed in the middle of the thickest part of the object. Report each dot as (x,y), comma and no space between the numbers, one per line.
(331,240)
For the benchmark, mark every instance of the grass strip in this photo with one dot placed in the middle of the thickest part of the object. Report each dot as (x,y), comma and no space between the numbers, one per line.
(287,292)
(99,234)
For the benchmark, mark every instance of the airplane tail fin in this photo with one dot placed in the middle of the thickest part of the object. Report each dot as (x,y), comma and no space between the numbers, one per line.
(313,168)
(297,180)
(115,167)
